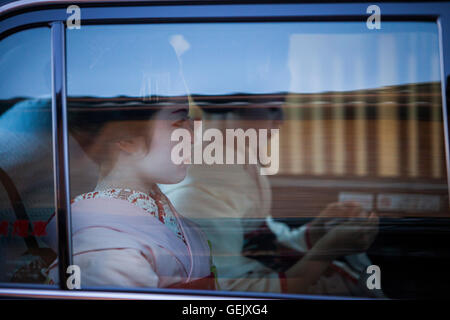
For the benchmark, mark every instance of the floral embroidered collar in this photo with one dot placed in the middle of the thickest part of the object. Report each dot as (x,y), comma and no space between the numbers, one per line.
(153,203)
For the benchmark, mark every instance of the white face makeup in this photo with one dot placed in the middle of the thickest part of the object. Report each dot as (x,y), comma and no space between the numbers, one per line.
(156,166)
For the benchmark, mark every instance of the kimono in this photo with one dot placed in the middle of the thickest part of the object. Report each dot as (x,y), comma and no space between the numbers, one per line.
(125,238)
(227,204)
(230,202)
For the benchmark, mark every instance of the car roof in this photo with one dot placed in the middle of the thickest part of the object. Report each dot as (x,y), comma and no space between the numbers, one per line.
(13,5)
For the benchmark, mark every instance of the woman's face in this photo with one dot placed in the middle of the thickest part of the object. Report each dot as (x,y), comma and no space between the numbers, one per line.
(156,165)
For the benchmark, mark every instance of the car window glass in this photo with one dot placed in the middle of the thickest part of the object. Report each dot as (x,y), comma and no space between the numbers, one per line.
(26,157)
(339,156)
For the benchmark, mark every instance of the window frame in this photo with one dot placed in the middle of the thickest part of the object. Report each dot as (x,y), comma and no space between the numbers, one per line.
(27,14)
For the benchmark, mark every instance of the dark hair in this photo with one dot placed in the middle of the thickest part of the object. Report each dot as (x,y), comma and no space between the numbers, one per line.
(212,109)
(241,103)
(247,111)
(88,123)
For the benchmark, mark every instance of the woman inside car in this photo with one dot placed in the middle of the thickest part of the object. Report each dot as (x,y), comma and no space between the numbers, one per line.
(125,232)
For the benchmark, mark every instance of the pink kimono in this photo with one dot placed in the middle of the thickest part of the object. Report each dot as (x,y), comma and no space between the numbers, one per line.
(124,238)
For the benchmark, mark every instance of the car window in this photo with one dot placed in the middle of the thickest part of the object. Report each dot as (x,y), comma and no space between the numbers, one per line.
(316,155)
(26,156)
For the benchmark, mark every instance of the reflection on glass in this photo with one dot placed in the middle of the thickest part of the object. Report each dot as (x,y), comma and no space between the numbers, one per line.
(125,231)
(26,159)
(361,148)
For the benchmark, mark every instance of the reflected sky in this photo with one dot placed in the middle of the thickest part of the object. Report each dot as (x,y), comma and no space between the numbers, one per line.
(25,64)
(226,58)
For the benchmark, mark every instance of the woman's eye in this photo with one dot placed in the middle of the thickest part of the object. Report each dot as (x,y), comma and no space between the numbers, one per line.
(181,122)
(178,123)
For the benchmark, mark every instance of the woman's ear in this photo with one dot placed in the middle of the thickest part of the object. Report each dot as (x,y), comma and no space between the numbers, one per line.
(132,146)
